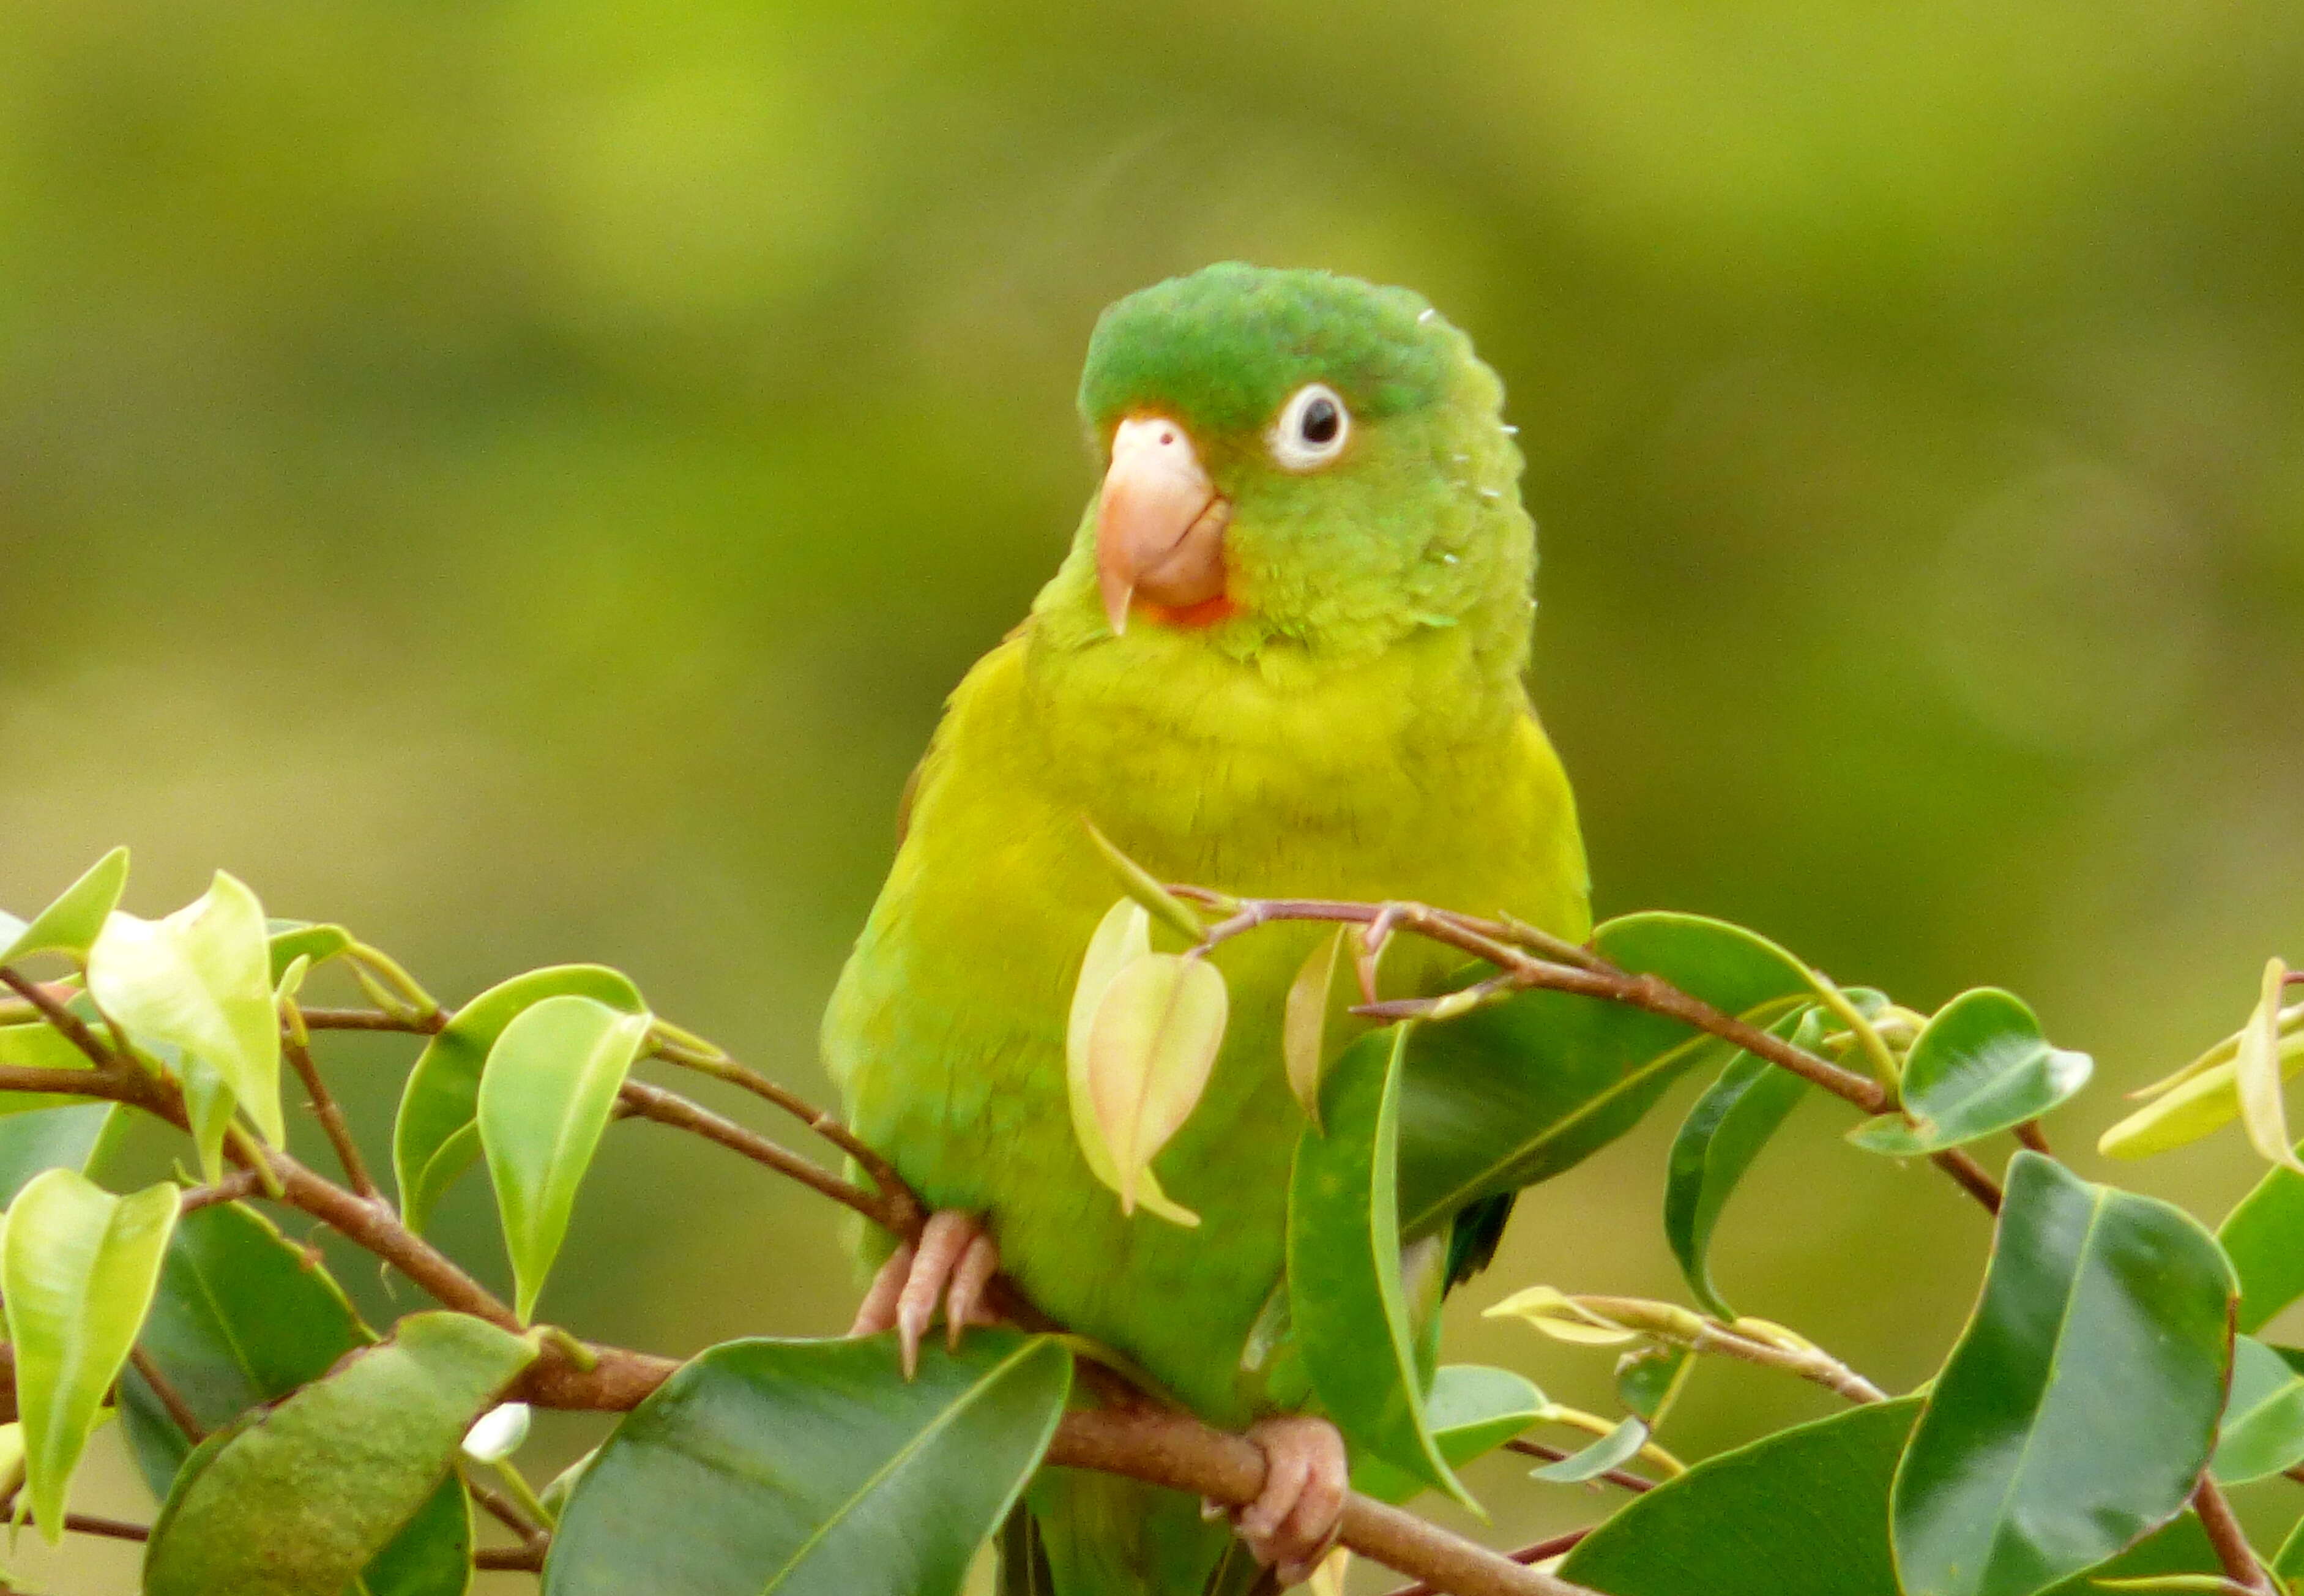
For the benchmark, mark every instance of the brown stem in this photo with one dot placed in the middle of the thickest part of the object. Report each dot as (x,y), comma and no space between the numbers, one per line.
(180,1412)
(332,1119)
(232,1188)
(375,1019)
(505,1511)
(516,1559)
(721,1068)
(74,1030)
(1971,1177)
(1174,1449)
(2031,1135)
(2230,1541)
(901,1214)
(1542,1552)
(1622,1478)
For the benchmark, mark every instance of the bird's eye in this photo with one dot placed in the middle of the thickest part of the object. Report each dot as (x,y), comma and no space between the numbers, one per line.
(1312,428)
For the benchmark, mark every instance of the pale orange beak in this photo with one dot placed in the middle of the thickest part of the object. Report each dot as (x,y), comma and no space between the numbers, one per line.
(1159,524)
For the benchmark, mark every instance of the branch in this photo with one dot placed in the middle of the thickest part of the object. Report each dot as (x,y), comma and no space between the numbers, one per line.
(1542,1552)
(1622,1478)
(1668,1322)
(180,1412)
(2230,1541)
(332,1119)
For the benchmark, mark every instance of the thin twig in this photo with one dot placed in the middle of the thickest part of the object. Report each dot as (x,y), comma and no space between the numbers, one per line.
(232,1188)
(2230,1541)
(74,1028)
(1668,1322)
(2031,1135)
(503,1509)
(332,1119)
(825,1123)
(515,1559)
(1542,1552)
(83,1524)
(376,1019)
(1623,1478)
(666,1108)
(180,1412)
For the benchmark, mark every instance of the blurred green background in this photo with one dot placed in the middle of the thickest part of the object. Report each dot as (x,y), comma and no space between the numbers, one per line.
(519,479)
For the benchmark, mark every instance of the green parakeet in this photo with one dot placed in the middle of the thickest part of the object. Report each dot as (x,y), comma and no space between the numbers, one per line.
(1283,657)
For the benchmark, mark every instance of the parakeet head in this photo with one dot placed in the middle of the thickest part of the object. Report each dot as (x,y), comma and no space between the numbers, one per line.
(1294,460)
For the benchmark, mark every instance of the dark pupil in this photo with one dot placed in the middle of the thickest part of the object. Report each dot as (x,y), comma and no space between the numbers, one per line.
(1320,421)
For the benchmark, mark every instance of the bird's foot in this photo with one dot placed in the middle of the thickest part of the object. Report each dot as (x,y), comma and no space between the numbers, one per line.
(953,1261)
(1292,1523)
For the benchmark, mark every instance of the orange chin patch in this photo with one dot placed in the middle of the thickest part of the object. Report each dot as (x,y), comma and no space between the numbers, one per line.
(1208,611)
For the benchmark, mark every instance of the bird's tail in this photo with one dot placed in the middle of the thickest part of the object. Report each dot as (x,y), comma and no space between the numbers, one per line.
(1085,1534)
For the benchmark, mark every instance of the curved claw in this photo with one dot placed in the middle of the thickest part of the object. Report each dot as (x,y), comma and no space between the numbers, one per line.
(1293,1521)
(953,1262)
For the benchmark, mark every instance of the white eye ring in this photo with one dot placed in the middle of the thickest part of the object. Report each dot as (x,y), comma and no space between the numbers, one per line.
(1312,428)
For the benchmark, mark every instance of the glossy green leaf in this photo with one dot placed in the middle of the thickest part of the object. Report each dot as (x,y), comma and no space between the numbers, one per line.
(1803,1512)
(292,939)
(548,1094)
(2264,1237)
(2288,1562)
(77,1270)
(2263,1428)
(1304,1020)
(72,924)
(1344,1292)
(813,1468)
(2080,1404)
(1649,1378)
(1517,1092)
(1723,1134)
(243,1317)
(1619,1447)
(1470,1410)
(300,1499)
(436,1135)
(1150,1049)
(1979,1066)
(66,1138)
(200,980)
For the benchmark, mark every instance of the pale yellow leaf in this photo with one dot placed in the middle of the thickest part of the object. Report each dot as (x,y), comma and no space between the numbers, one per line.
(2256,1069)
(1304,1022)
(1150,1049)
(1562,1318)
(1123,937)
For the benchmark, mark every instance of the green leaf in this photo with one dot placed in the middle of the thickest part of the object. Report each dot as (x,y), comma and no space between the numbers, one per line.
(292,939)
(2263,1429)
(1144,888)
(2288,1562)
(1723,1134)
(438,1136)
(2080,1404)
(1800,1513)
(547,1095)
(1516,1091)
(1471,1411)
(813,1468)
(1619,1447)
(1979,1066)
(244,1317)
(2264,1237)
(201,980)
(67,1138)
(72,924)
(1649,1379)
(298,1500)
(77,1270)
(1344,1292)
(1150,1049)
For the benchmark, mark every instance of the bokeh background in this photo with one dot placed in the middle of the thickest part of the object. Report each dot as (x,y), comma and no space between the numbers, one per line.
(519,479)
